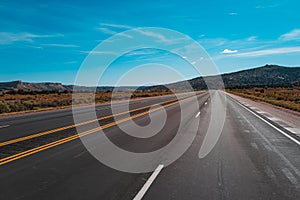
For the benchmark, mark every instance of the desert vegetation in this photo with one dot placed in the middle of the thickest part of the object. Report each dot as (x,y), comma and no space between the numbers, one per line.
(284,97)
(18,101)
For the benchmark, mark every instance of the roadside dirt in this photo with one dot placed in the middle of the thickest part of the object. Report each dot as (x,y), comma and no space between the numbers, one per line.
(290,117)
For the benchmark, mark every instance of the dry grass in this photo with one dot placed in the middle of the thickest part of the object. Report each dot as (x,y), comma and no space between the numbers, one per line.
(283,97)
(33,102)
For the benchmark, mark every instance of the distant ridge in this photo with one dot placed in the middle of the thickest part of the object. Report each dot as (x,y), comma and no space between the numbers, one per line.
(19,85)
(48,86)
(268,75)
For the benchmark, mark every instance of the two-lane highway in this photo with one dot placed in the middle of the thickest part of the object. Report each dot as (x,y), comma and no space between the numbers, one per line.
(251,160)
(20,147)
(27,124)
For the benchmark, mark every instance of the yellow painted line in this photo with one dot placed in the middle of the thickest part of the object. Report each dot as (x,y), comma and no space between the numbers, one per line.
(74,125)
(71,138)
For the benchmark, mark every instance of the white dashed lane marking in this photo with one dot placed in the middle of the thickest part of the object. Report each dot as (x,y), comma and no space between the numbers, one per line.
(147,185)
(4,126)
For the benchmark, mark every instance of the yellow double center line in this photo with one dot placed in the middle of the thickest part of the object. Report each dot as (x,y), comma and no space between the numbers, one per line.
(74,125)
(70,138)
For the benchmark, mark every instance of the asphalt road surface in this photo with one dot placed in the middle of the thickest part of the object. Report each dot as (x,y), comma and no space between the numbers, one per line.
(42,156)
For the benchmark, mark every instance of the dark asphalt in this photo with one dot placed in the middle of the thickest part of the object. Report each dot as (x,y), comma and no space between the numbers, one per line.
(30,123)
(251,160)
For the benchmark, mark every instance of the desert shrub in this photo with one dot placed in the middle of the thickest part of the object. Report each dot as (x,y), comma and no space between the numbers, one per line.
(281,96)
(4,108)
(13,107)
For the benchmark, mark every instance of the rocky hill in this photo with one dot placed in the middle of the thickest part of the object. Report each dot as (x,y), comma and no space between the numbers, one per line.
(268,75)
(19,85)
(48,86)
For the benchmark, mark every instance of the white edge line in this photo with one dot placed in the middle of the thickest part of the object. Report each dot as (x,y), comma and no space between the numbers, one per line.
(289,175)
(197,115)
(285,134)
(4,126)
(291,129)
(147,185)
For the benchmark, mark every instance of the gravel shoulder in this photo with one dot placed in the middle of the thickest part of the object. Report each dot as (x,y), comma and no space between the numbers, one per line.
(290,117)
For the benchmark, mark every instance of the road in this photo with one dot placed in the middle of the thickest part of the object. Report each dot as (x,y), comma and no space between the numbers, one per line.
(253,158)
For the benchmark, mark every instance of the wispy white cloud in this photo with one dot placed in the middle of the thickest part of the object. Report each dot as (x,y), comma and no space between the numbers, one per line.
(99,52)
(153,34)
(284,50)
(112,29)
(141,52)
(215,45)
(34,47)
(9,37)
(61,45)
(228,51)
(292,35)
(161,37)
(233,14)
(234,44)
(120,26)
(252,38)
(107,31)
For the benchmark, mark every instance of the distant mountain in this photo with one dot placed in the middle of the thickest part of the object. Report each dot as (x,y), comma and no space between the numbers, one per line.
(268,75)
(25,86)
(19,85)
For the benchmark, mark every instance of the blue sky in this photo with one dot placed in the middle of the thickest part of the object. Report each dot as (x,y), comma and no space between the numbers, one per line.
(48,40)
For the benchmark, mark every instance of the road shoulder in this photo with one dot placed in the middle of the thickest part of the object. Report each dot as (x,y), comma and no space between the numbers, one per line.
(288,119)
